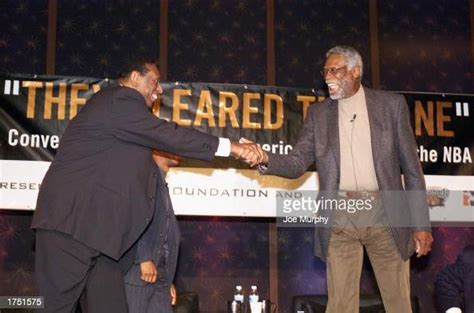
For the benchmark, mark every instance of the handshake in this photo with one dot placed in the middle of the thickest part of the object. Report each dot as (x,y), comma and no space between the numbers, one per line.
(249,152)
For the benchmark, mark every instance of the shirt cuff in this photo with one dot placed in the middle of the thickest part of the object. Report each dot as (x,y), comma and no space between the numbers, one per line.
(223,150)
(454,310)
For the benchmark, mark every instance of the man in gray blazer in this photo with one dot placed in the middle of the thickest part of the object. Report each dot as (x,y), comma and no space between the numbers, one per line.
(361,142)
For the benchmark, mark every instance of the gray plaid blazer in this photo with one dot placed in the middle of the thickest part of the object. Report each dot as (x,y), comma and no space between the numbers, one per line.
(394,153)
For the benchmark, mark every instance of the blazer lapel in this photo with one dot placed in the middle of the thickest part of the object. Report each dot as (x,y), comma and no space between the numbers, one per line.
(333,134)
(376,126)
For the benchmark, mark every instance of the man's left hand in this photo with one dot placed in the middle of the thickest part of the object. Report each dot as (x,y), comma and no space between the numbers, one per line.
(148,271)
(423,242)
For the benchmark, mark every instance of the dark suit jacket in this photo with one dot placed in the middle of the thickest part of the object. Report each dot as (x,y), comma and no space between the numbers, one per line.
(97,189)
(150,246)
(454,286)
(394,153)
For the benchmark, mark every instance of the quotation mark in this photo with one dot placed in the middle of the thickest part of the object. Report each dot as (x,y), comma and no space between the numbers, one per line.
(462,109)
(12,89)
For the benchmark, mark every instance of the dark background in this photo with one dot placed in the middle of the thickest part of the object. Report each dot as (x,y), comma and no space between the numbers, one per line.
(422,46)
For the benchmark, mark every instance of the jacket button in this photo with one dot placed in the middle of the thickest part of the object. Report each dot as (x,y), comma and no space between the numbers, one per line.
(154,175)
(152,198)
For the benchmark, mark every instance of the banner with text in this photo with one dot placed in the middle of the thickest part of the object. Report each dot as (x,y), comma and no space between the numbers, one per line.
(35,110)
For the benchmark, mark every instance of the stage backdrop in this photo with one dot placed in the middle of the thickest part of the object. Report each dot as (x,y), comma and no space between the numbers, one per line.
(35,111)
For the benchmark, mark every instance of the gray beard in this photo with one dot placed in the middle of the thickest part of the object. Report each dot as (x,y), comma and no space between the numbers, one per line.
(344,90)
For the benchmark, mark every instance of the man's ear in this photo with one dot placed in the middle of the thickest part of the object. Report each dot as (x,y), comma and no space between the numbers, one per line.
(356,71)
(135,78)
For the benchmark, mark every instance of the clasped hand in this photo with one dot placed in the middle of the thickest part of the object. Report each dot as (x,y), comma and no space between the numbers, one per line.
(249,152)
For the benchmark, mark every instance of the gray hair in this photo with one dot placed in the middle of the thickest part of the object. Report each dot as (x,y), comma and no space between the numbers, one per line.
(351,55)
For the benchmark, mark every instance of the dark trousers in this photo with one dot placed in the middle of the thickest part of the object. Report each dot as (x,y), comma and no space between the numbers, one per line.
(153,298)
(66,270)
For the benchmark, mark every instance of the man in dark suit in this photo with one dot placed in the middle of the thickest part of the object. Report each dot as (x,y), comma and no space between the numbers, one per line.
(149,282)
(96,198)
(454,285)
(361,142)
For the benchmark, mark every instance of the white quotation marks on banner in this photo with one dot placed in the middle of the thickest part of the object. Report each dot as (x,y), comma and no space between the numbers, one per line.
(462,109)
(8,87)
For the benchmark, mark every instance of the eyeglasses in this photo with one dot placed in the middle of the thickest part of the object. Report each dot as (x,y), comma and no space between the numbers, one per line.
(155,81)
(335,71)
(148,75)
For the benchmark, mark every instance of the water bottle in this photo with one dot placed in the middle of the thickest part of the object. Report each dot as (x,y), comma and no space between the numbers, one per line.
(238,295)
(253,297)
